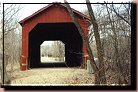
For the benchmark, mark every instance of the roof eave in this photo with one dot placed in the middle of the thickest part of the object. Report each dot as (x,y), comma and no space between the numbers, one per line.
(32,15)
(49,5)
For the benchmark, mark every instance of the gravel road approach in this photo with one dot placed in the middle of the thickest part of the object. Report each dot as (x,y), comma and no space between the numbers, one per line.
(52,76)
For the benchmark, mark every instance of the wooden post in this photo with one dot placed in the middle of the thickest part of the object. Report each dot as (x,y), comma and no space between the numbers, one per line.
(85,61)
(24,64)
(89,68)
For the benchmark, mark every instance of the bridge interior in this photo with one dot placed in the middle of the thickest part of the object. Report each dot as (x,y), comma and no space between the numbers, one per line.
(65,32)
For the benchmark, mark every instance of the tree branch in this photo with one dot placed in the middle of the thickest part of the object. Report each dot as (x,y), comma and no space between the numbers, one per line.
(85,39)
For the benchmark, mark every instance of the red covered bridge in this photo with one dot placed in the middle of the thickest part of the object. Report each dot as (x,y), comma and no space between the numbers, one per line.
(52,23)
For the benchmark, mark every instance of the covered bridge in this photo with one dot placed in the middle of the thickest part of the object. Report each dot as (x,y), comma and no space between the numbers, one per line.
(53,22)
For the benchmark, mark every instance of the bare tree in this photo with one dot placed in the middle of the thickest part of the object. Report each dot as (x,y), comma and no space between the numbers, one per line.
(114,33)
(59,50)
(117,39)
(45,50)
(86,41)
(102,78)
(12,35)
(1,54)
(56,50)
(127,8)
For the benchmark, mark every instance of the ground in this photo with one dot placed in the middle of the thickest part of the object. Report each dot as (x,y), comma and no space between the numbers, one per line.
(57,76)
(52,76)
(49,59)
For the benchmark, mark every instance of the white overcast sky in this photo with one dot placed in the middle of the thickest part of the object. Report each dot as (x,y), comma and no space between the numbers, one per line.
(29,9)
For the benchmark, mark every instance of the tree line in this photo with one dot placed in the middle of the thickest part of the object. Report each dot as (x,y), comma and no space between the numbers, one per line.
(56,49)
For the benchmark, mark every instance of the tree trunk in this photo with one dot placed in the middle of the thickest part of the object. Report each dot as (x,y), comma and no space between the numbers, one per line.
(6,77)
(86,41)
(98,44)
(1,69)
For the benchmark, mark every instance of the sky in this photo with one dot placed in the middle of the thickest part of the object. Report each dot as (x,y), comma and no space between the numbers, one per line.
(28,9)
(79,7)
(46,43)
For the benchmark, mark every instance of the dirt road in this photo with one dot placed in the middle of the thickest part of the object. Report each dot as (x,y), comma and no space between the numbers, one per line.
(52,76)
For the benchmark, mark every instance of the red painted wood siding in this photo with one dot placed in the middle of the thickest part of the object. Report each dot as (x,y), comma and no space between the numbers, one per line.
(51,15)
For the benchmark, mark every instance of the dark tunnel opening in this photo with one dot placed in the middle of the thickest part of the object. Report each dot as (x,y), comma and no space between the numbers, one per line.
(65,32)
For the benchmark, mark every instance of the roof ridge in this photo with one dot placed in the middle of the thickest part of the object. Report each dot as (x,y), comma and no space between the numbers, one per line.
(49,5)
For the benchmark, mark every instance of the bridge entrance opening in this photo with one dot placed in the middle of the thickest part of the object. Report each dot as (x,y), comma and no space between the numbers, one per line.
(65,33)
(53,52)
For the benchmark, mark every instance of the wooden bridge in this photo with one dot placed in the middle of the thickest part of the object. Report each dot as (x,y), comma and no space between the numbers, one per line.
(51,23)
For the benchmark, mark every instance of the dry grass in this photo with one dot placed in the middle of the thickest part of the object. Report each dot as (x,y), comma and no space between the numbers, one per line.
(52,76)
(57,76)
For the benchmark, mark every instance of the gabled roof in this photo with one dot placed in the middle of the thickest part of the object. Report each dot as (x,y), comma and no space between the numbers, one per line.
(49,5)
